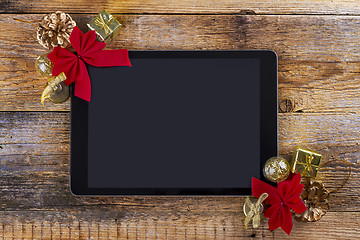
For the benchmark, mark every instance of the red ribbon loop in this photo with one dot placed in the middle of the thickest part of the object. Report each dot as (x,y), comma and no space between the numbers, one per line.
(89,51)
(283,198)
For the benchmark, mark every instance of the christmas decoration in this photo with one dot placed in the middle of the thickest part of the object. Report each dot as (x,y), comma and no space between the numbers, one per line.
(56,90)
(276,169)
(315,197)
(105,26)
(44,65)
(54,30)
(89,51)
(281,199)
(253,211)
(305,162)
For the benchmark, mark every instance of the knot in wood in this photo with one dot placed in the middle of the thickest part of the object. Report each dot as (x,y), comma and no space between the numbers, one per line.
(286,105)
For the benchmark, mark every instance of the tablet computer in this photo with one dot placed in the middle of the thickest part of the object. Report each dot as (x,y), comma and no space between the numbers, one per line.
(176,123)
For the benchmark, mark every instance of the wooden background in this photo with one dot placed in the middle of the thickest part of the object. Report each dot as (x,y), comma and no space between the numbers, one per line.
(317,42)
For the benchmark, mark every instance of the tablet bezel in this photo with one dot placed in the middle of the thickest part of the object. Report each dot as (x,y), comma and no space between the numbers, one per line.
(268,127)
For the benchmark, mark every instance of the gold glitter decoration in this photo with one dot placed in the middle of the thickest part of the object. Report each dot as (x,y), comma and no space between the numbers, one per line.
(60,93)
(276,169)
(99,21)
(305,162)
(315,197)
(105,25)
(56,90)
(54,30)
(44,65)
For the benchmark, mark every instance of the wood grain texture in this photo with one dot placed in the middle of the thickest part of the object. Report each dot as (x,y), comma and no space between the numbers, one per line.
(164,224)
(319,83)
(319,56)
(34,165)
(186,6)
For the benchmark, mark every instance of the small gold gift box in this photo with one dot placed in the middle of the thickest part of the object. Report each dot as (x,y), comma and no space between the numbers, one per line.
(305,162)
(105,26)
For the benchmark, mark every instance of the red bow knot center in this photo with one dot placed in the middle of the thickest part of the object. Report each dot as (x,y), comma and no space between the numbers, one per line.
(79,56)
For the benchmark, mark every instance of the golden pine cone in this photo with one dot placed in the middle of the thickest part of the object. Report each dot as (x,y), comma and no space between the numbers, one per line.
(54,30)
(315,197)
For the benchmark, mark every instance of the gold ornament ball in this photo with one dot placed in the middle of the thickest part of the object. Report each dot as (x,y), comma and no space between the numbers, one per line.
(44,66)
(276,169)
(60,93)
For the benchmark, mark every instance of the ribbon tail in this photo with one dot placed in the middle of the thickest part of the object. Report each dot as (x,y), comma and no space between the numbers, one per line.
(259,187)
(248,218)
(287,222)
(108,58)
(256,221)
(251,213)
(275,218)
(82,83)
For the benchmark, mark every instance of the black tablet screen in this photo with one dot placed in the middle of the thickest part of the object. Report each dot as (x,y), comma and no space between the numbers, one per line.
(175,123)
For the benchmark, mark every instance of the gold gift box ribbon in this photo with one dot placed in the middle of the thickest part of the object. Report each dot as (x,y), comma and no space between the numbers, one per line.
(99,21)
(308,166)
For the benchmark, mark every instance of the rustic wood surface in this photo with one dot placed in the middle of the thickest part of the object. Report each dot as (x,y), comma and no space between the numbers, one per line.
(187,6)
(319,83)
(318,55)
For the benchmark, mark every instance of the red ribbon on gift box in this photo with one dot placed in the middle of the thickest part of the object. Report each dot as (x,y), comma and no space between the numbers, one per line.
(89,51)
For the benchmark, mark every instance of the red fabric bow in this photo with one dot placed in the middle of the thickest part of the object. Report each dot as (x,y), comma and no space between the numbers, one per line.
(281,199)
(89,51)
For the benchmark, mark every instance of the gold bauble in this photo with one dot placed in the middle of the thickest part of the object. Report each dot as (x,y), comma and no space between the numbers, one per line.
(44,66)
(60,93)
(276,169)
(56,90)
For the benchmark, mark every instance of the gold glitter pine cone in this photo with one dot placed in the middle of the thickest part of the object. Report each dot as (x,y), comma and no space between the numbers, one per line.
(315,197)
(54,30)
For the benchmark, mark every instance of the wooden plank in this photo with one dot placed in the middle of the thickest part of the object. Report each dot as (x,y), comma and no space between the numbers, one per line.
(220,225)
(318,67)
(317,38)
(318,73)
(309,89)
(34,167)
(319,86)
(187,6)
